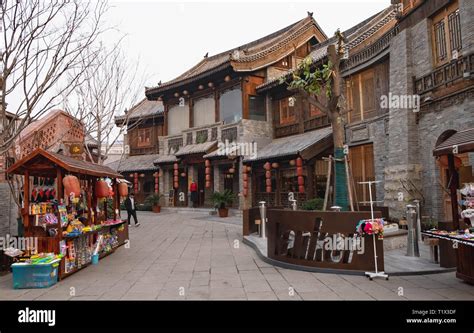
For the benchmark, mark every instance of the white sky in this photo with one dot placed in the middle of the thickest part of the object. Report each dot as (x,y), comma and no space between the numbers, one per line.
(170,37)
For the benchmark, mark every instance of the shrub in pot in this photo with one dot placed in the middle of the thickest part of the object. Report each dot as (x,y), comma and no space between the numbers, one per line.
(221,200)
(313,204)
(154,201)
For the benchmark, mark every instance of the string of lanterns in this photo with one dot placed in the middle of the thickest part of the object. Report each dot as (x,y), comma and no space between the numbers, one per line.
(207,164)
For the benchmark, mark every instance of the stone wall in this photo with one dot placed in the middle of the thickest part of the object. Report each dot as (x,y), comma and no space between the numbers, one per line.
(466,9)
(8,211)
(450,114)
(403,166)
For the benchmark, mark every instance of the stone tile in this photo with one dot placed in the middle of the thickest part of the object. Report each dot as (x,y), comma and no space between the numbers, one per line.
(261,296)
(228,293)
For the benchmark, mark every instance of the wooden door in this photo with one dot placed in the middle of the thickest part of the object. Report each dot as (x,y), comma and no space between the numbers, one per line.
(361,159)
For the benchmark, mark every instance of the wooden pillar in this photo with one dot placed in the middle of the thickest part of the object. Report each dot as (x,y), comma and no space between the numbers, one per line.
(135,182)
(216,108)
(90,191)
(26,203)
(191,113)
(310,184)
(60,192)
(165,120)
(453,187)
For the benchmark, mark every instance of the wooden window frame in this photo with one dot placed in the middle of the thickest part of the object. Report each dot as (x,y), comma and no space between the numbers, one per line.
(148,132)
(355,82)
(287,119)
(448,39)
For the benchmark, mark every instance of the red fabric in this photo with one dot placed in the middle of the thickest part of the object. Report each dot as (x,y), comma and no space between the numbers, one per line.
(193,187)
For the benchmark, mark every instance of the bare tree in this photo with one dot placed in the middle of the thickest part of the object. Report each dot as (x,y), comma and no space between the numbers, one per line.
(113,85)
(43,42)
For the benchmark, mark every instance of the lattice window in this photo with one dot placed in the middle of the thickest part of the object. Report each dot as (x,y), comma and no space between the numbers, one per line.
(189,138)
(201,136)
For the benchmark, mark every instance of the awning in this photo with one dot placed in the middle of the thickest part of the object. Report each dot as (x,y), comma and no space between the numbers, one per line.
(41,162)
(306,145)
(198,148)
(135,163)
(164,159)
(461,142)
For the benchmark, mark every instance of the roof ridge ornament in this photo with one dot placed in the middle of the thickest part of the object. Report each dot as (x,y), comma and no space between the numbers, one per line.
(310,14)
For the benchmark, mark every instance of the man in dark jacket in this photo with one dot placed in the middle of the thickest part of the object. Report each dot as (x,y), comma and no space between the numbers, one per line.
(131,209)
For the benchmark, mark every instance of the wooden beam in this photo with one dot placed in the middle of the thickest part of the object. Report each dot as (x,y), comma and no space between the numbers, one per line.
(26,202)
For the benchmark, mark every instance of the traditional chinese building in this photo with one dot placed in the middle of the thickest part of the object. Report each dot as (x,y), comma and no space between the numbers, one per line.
(213,115)
(142,140)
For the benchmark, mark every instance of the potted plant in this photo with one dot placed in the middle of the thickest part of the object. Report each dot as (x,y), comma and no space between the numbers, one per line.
(154,201)
(221,200)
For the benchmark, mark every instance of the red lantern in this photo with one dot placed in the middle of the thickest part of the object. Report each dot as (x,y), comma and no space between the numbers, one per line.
(208,171)
(175,172)
(123,189)
(207,163)
(245,192)
(101,189)
(208,184)
(301,189)
(231,170)
(300,180)
(267,166)
(208,178)
(299,162)
(268,189)
(245,183)
(176,185)
(299,171)
(175,166)
(245,177)
(268,182)
(292,162)
(275,165)
(268,174)
(249,169)
(71,185)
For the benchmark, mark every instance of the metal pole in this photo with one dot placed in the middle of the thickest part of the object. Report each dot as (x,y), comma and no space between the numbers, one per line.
(412,245)
(418,218)
(263,216)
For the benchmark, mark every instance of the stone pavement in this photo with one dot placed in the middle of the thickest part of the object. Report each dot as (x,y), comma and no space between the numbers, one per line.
(195,256)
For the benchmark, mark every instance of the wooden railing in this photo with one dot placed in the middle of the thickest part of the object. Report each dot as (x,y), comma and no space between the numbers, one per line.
(316,122)
(370,51)
(229,134)
(286,130)
(444,75)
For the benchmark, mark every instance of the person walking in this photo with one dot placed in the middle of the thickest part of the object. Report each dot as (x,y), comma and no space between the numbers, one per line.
(194,193)
(131,209)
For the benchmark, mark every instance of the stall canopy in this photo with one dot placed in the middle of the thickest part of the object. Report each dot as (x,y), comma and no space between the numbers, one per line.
(43,163)
(306,145)
(463,140)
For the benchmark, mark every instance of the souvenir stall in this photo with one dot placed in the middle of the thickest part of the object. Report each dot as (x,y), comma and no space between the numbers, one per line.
(461,235)
(71,209)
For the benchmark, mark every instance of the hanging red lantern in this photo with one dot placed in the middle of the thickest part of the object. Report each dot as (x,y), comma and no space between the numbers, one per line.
(249,169)
(299,162)
(72,185)
(268,189)
(207,163)
(268,174)
(176,185)
(101,189)
(175,166)
(275,165)
(268,182)
(245,192)
(123,189)
(231,170)
(300,180)
(299,171)
(208,178)
(208,184)
(176,173)
(245,184)
(301,189)
(292,162)
(245,177)
(267,166)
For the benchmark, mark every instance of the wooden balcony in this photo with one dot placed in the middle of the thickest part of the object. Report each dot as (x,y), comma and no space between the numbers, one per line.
(445,75)
(286,130)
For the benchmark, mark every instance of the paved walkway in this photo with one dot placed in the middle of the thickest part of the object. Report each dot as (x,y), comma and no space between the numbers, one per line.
(196,256)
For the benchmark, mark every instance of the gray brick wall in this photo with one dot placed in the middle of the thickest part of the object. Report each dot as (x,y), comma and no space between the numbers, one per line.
(466,9)
(8,211)
(434,122)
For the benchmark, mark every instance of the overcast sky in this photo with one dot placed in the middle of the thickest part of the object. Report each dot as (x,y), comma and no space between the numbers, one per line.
(170,37)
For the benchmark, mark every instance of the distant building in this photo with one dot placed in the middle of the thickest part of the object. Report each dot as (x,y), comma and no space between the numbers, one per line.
(115,152)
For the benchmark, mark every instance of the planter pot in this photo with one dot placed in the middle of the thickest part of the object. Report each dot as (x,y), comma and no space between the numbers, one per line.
(223,212)
(156,208)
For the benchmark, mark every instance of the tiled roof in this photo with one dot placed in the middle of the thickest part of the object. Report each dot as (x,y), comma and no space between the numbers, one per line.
(68,163)
(135,163)
(293,145)
(463,140)
(143,109)
(252,51)
(164,159)
(197,148)
(355,36)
